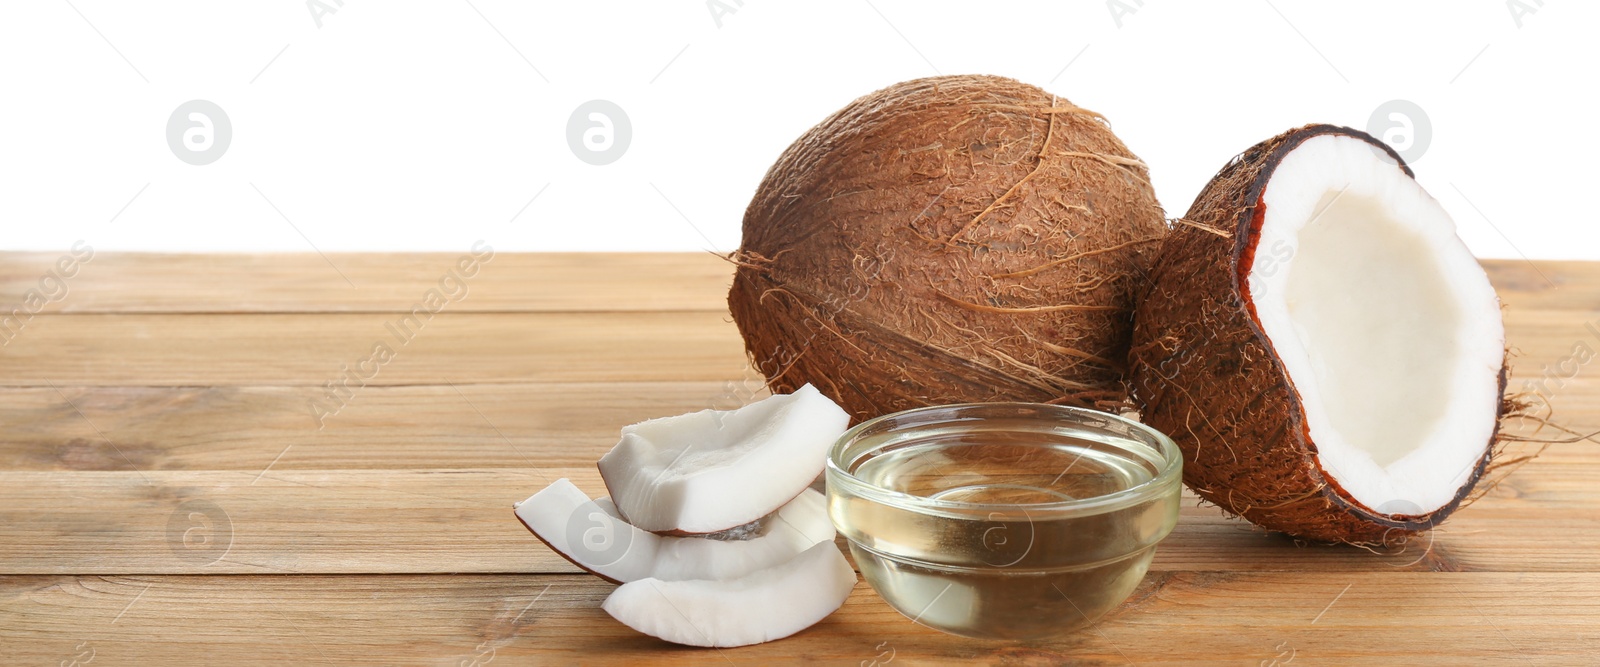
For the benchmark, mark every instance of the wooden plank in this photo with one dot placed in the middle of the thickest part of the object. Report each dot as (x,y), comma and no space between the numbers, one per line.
(385,282)
(414,521)
(416,427)
(422,426)
(311,350)
(304,282)
(1546,284)
(1539,337)
(1172,619)
(177,441)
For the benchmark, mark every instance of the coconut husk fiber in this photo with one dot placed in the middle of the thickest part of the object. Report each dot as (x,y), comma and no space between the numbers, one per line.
(947,240)
(1204,372)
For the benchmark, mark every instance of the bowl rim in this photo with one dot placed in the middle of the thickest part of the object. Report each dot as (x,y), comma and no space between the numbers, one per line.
(1168,476)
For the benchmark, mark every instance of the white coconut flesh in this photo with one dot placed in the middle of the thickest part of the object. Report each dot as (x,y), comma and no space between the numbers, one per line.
(592,534)
(1385,323)
(715,469)
(761,606)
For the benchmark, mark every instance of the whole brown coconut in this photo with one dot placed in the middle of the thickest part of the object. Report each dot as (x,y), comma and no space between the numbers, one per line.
(946,240)
(1259,441)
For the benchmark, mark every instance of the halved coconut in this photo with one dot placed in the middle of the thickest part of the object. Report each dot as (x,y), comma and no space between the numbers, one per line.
(758,607)
(1325,350)
(592,535)
(712,470)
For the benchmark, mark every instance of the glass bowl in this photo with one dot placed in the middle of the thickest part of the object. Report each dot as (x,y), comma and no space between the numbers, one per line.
(1003,520)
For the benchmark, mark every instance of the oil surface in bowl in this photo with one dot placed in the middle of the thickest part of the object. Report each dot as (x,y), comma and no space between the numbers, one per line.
(999,558)
(1000,465)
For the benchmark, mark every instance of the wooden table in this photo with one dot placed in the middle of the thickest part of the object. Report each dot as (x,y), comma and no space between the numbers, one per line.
(168,495)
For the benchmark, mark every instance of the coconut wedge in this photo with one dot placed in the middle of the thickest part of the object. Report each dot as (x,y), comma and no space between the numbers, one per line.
(1327,353)
(592,535)
(759,607)
(713,470)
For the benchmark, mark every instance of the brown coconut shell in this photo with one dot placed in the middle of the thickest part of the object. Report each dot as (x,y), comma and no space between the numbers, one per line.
(946,240)
(1203,371)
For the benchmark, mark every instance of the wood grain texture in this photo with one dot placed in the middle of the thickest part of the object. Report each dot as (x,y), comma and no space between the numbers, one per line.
(557,424)
(419,521)
(305,283)
(314,349)
(1236,618)
(422,426)
(167,495)
(311,349)
(1553,285)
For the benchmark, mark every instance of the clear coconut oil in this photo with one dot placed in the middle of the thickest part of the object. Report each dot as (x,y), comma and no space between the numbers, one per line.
(1010,521)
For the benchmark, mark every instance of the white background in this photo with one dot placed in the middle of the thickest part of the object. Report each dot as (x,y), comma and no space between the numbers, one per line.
(424,126)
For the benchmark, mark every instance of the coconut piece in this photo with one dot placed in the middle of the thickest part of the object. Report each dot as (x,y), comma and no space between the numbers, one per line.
(712,470)
(1327,353)
(758,607)
(948,240)
(592,535)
